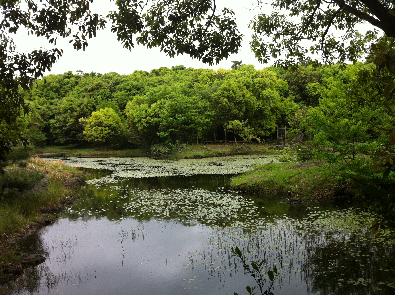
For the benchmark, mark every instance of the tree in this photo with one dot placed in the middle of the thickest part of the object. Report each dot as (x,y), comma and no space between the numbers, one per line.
(242,130)
(103,127)
(142,120)
(294,31)
(298,78)
(236,64)
(232,101)
(297,31)
(65,126)
(354,117)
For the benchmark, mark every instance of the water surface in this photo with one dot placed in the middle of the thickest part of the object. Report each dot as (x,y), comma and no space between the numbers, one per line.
(161,227)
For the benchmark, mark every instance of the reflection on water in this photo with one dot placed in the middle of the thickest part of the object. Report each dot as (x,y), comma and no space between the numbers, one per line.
(180,235)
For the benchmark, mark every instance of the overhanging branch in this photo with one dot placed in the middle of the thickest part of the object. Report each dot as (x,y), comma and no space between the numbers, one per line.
(361,15)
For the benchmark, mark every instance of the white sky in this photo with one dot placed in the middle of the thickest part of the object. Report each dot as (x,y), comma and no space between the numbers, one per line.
(106,54)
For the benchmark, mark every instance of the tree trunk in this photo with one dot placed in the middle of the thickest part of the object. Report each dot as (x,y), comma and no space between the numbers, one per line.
(225,135)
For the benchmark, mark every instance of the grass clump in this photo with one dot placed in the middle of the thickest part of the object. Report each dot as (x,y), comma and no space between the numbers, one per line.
(55,169)
(16,178)
(19,153)
(31,195)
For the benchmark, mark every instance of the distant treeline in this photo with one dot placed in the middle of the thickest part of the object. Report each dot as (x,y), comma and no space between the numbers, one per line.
(342,108)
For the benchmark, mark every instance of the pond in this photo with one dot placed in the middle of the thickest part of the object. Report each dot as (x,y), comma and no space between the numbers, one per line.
(174,227)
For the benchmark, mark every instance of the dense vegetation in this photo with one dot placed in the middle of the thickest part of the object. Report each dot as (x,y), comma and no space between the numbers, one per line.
(330,105)
(340,114)
(29,189)
(165,105)
(339,117)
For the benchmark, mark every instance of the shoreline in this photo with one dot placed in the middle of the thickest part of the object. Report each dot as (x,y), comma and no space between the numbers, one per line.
(192,151)
(14,259)
(299,183)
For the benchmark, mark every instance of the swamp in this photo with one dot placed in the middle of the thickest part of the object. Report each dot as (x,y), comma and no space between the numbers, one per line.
(145,226)
(197,147)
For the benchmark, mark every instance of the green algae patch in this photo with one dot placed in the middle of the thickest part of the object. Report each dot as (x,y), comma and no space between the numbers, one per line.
(304,181)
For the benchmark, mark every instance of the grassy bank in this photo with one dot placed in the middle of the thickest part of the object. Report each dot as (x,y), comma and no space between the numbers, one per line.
(158,151)
(215,150)
(31,195)
(359,183)
(296,181)
(73,151)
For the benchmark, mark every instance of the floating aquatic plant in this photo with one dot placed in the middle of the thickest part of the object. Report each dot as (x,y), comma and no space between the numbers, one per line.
(142,167)
(190,206)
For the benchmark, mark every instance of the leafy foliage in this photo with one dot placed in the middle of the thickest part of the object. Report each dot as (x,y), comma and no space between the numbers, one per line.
(165,105)
(103,127)
(353,116)
(202,31)
(341,111)
(299,31)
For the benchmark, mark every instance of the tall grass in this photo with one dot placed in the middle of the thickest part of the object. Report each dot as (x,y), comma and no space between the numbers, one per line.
(360,182)
(25,191)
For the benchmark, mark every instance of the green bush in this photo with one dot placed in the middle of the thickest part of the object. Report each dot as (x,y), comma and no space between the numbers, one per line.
(167,150)
(103,127)
(287,155)
(354,117)
(304,152)
(19,153)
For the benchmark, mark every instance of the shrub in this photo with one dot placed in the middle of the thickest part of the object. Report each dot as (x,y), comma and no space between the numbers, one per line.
(103,127)
(165,150)
(304,153)
(287,155)
(161,151)
(19,153)
(240,149)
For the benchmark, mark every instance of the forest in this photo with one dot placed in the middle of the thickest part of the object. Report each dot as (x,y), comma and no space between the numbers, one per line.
(327,105)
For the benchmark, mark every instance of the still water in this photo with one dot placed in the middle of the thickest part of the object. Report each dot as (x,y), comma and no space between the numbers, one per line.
(162,227)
